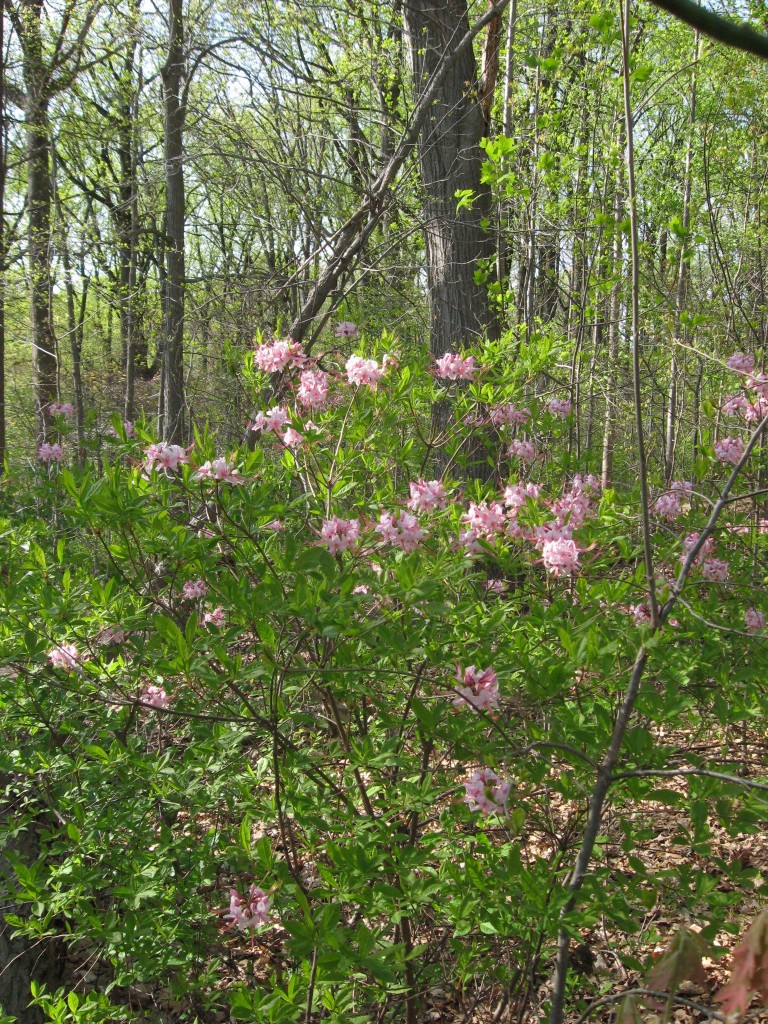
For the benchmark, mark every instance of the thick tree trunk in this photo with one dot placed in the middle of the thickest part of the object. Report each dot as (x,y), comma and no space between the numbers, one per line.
(128,225)
(45,358)
(174,74)
(450,159)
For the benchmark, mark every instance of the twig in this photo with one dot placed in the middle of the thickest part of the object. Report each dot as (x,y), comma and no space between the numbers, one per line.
(607,1000)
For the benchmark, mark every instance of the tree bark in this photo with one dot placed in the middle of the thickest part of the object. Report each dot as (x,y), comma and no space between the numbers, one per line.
(174,75)
(450,159)
(39,197)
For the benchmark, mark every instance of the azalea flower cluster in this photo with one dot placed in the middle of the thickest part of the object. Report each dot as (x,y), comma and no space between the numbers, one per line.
(251,911)
(452,366)
(274,356)
(50,452)
(484,522)
(155,696)
(751,404)
(339,534)
(508,415)
(220,471)
(66,656)
(170,457)
(362,371)
(403,530)
(65,409)
(711,569)
(165,456)
(560,407)
(477,687)
(128,426)
(486,792)
(427,495)
(670,504)
(194,590)
(729,449)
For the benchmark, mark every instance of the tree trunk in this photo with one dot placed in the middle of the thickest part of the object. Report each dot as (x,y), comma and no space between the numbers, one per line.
(450,159)
(609,426)
(128,227)
(681,290)
(174,74)
(45,358)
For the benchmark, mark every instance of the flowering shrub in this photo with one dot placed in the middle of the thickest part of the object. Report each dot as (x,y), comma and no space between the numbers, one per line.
(285,703)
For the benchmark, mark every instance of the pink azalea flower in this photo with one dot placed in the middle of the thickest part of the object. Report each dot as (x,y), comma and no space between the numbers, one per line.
(478,687)
(641,614)
(249,911)
(741,362)
(734,405)
(759,384)
(486,792)
(484,519)
(553,530)
(165,456)
(292,438)
(274,419)
(66,656)
(561,557)
(403,531)
(455,367)
(61,409)
(714,570)
(667,506)
(690,542)
(313,388)
(194,589)
(155,696)
(754,620)
(110,636)
(221,471)
(426,494)
(518,495)
(128,426)
(522,450)
(275,356)
(339,534)
(469,540)
(216,617)
(560,407)
(50,452)
(363,371)
(495,586)
(346,329)
(729,449)
(508,415)
(756,410)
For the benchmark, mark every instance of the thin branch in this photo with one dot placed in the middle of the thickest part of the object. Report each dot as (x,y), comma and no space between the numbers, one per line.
(640,773)
(607,1000)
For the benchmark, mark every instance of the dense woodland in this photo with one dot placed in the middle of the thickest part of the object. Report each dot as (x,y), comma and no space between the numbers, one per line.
(383,511)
